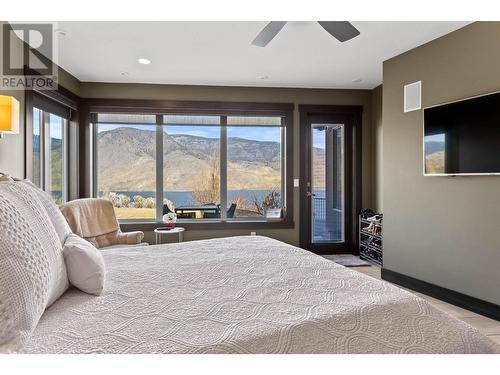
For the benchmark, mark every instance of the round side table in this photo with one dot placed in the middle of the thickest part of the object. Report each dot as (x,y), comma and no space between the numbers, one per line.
(159,232)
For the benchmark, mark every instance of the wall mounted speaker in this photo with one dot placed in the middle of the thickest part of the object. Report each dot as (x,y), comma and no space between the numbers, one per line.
(413,96)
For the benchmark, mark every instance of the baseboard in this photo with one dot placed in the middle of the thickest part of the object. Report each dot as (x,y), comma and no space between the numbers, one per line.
(476,305)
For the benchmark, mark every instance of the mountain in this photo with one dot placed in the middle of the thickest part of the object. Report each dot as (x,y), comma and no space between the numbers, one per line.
(126,161)
(433,146)
(55,159)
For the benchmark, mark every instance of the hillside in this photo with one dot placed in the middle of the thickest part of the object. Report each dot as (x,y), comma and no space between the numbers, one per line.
(434,163)
(127,161)
(55,159)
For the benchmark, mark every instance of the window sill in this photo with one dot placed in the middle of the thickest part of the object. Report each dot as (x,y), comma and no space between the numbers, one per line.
(129,225)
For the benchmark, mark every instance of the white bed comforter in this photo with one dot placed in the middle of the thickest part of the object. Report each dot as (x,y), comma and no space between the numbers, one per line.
(245,295)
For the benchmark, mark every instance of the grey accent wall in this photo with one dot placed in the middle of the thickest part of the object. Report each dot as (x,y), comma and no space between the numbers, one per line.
(442,230)
(377,137)
(254,94)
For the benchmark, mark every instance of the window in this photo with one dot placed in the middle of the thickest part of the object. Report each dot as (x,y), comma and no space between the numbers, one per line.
(37,147)
(254,155)
(49,157)
(191,161)
(126,164)
(202,167)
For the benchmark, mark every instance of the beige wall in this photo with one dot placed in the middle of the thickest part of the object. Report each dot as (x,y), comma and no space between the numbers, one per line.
(441,230)
(297,96)
(377,196)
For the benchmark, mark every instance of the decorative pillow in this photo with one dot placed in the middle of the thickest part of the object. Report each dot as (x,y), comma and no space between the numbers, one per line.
(56,217)
(85,265)
(32,271)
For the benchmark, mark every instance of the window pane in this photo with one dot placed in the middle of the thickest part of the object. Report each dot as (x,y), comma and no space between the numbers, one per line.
(56,165)
(253,169)
(191,166)
(37,146)
(327,183)
(126,174)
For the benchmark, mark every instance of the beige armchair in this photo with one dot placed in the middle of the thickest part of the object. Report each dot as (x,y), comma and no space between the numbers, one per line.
(95,221)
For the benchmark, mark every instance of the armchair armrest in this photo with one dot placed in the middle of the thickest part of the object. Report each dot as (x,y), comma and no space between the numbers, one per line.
(129,238)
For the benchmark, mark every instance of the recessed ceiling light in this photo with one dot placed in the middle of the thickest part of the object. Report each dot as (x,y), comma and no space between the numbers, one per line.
(144,61)
(61,32)
(356,80)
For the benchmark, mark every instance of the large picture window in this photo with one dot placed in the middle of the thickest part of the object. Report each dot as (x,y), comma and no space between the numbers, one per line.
(201,167)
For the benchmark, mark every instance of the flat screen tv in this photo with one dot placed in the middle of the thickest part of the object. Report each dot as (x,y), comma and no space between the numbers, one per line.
(463,137)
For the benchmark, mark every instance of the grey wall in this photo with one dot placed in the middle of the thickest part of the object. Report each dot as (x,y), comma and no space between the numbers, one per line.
(442,230)
(249,94)
(377,132)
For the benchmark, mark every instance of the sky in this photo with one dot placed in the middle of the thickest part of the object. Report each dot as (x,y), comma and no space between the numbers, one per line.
(272,134)
(435,138)
(55,125)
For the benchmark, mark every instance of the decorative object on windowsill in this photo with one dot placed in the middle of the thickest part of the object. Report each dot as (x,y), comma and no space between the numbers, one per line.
(168,206)
(273,213)
(170,219)
(9,115)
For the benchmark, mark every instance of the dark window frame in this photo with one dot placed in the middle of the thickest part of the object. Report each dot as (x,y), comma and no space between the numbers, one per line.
(62,103)
(160,107)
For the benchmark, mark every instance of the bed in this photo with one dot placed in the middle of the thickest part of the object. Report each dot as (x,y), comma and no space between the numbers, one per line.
(247,294)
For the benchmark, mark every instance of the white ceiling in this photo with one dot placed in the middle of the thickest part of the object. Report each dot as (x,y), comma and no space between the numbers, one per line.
(220,53)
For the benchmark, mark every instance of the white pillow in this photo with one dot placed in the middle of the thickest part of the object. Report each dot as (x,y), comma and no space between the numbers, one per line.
(55,215)
(32,270)
(85,265)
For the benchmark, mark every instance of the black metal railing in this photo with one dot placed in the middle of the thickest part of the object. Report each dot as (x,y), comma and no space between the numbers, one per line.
(319,208)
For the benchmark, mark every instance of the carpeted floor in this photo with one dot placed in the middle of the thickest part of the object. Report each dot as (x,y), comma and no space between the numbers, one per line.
(347,260)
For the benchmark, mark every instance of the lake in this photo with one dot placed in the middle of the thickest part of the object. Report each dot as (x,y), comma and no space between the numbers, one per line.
(180,198)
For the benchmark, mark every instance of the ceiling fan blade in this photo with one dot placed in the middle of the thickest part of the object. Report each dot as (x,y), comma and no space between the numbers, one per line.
(268,33)
(341,30)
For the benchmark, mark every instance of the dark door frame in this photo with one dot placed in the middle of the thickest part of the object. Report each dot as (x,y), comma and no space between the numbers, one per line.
(352,115)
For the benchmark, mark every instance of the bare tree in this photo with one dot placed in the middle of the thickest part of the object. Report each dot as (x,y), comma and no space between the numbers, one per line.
(206,188)
(271,200)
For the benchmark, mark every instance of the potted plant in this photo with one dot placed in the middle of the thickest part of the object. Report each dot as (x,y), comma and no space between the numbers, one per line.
(170,219)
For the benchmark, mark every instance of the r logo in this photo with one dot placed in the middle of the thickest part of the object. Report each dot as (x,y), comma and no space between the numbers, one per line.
(37,51)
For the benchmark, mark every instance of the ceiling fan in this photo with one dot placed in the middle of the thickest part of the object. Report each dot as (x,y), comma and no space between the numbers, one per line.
(341,30)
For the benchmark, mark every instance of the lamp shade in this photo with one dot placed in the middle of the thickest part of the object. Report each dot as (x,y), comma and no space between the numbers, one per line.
(9,115)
